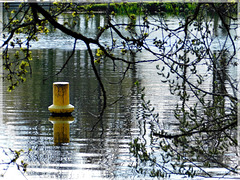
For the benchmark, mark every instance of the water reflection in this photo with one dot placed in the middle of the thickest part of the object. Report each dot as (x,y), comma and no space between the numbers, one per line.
(99,154)
(61,129)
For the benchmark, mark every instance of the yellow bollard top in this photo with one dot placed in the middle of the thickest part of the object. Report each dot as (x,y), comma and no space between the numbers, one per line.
(61,98)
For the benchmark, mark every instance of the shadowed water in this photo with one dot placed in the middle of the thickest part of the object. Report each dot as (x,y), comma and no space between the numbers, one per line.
(99,153)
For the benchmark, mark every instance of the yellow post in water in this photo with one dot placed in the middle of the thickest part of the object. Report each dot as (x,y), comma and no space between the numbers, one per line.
(61,99)
(61,129)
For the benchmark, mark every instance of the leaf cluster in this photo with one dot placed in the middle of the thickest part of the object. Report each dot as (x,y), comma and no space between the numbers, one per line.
(14,157)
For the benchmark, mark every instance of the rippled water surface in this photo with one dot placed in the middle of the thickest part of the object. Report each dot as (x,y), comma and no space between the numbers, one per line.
(101,152)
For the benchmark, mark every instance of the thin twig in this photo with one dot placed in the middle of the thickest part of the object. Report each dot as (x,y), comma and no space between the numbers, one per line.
(66,62)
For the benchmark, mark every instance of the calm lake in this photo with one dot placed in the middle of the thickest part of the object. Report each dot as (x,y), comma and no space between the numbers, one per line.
(101,153)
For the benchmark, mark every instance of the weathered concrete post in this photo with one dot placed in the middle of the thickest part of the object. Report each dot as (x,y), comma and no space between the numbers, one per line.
(61,99)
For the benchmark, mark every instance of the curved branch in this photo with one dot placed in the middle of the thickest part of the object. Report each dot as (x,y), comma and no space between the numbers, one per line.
(60,26)
(98,78)
(228,30)
(19,10)
(190,133)
(13,31)
(66,62)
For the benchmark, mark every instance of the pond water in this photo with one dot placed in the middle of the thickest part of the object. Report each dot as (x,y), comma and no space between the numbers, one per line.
(99,153)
